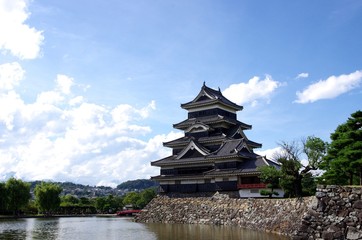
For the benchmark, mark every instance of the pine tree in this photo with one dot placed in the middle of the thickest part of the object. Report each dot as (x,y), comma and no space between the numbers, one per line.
(343,162)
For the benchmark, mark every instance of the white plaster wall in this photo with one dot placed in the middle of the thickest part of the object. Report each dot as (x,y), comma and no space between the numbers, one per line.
(246,193)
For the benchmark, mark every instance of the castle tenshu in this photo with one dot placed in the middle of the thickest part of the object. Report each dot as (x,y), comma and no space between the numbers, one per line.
(214,155)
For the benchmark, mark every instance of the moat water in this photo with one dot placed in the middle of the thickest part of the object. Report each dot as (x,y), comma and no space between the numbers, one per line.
(89,228)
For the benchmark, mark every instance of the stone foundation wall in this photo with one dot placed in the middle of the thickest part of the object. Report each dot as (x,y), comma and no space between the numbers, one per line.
(281,216)
(337,214)
(334,213)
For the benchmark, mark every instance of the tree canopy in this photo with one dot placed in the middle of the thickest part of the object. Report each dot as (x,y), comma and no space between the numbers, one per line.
(47,197)
(139,200)
(271,176)
(294,173)
(18,193)
(3,197)
(343,162)
(109,204)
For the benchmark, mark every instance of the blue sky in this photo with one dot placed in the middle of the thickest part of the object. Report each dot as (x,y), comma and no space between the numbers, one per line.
(89,90)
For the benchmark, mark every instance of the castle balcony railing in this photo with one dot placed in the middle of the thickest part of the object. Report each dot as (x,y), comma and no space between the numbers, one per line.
(251,185)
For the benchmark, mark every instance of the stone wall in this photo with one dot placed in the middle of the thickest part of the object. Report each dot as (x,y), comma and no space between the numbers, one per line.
(334,213)
(337,214)
(281,216)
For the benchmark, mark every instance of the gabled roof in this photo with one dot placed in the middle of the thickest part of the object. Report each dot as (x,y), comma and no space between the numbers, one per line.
(238,131)
(230,148)
(193,146)
(248,167)
(172,161)
(183,141)
(209,96)
(198,127)
(210,120)
(235,132)
(233,148)
(272,163)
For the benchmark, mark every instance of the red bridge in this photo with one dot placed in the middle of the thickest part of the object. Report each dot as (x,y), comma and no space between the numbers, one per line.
(128,212)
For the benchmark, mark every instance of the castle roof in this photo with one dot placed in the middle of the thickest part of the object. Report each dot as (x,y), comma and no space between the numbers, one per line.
(208,96)
(229,149)
(214,119)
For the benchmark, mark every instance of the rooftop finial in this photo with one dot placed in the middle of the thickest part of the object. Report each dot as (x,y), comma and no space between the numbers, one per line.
(219,89)
(204,84)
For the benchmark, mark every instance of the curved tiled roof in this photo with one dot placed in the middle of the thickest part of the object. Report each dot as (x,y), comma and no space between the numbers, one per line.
(213,96)
(231,148)
(172,161)
(210,120)
(183,141)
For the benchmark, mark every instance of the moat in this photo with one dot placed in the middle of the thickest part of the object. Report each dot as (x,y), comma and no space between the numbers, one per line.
(119,228)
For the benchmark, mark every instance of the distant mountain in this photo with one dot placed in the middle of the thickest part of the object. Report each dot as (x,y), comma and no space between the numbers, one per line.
(137,185)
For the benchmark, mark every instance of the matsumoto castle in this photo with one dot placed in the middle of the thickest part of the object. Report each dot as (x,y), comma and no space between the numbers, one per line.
(214,154)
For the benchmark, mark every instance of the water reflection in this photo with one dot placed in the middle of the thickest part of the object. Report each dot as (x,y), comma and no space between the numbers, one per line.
(44,228)
(85,228)
(208,232)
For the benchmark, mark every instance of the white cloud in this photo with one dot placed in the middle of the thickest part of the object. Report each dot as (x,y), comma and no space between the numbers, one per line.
(253,91)
(64,83)
(332,87)
(10,75)
(62,137)
(273,152)
(76,100)
(302,75)
(17,37)
(269,153)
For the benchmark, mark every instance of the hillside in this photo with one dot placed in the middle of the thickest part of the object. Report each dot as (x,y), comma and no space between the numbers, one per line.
(80,190)
(137,185)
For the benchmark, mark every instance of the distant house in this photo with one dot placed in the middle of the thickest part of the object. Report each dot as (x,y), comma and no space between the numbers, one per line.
(214,154)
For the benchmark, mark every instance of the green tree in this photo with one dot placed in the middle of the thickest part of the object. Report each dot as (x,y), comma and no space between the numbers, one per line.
(139,200)
(343,162)
(132,198)
(109,204)
(47,197)
(145,197)
(18,194)
(100,204)
(3,197)
(69,200)
(315,149)
(309,184)
(271,176)
(84,201)
(292,169)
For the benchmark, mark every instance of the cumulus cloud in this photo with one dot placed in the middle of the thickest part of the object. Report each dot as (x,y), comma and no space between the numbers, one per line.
(253,91)
(64,83)
(332,87)
(17,37)
(302,75)
(269,153)
(62,137)
(10,75)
